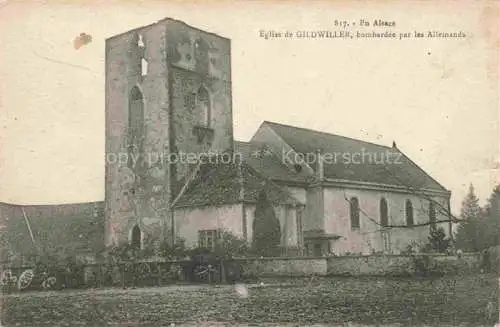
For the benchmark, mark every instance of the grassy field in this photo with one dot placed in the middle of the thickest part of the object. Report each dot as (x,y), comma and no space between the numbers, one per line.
(333,301)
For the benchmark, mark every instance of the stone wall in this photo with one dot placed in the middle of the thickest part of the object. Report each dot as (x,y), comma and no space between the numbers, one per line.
(373,265)
(282,267)
(400,265)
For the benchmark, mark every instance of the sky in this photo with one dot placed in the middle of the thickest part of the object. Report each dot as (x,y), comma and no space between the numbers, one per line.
(436,98)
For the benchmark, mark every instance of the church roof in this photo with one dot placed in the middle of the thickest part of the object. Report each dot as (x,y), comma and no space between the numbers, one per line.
(69,228)
(372,160)
(263,160)
(229,183)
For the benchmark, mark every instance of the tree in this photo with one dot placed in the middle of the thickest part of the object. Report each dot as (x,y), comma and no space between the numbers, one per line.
(470,206)
(438,242)
(492,218)
(472,231)
(493,206)
(266,228)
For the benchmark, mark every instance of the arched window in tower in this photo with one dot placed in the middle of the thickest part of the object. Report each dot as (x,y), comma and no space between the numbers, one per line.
(354,211)
(135,126)
(135,239)
(140,41)
(409,213)
(203,106)
(432,215)
(384,213)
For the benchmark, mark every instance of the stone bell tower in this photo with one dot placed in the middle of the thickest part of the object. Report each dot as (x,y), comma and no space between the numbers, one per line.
(168,100)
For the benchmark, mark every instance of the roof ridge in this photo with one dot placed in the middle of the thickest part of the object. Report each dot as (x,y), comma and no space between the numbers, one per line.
(325,133)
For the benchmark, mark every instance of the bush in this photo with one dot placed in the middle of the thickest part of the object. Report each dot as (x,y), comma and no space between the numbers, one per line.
(230,246)
(173,252)
(63,272)
(8,281)
(46,272)
(438,242)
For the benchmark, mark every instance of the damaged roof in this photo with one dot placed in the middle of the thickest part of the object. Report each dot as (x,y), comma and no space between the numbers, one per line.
(230,183)
(267,163)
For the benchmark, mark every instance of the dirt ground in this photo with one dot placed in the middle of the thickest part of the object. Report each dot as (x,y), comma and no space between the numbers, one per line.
(460,301)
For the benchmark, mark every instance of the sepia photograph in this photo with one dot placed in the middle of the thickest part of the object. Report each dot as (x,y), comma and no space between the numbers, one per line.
(234,163)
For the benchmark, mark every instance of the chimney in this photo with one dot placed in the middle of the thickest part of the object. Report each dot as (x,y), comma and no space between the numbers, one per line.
(394,145)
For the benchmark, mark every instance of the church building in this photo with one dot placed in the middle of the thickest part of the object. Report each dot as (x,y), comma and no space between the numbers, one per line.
(173,169)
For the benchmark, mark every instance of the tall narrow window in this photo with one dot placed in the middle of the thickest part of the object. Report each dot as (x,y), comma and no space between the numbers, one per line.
(384,216)
(203,106)
(135,239)
(432,215)
(135,126)
(354,213)
(409,213)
